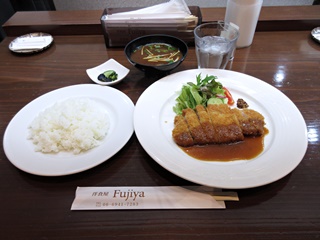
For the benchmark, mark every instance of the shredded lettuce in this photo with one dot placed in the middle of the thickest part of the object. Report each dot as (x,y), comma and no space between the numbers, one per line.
(193,94)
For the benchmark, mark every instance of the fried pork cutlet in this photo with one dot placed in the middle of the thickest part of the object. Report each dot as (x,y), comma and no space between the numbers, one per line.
(226,125)
(251,122)
(220,108)
(216,124)
(195,128)
(206,123)
(180,133)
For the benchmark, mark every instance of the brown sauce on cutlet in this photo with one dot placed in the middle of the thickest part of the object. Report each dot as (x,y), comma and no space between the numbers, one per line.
(248,149)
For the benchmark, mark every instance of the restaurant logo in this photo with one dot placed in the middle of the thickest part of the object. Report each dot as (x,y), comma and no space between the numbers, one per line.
(130,194)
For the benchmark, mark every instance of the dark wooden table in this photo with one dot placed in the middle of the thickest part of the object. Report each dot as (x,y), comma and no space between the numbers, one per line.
(35,207)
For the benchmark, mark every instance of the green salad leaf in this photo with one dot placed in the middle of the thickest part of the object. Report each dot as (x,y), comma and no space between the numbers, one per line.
(193,94)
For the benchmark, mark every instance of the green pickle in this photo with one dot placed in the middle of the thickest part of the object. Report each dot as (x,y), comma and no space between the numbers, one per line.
(108,76)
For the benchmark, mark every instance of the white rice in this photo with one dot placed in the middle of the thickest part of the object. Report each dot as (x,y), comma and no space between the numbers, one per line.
(73,125)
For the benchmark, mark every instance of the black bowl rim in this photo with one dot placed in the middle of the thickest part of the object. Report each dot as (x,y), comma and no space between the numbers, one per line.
(155,35)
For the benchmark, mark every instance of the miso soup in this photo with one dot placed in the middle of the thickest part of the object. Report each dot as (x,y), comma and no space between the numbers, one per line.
(156,54)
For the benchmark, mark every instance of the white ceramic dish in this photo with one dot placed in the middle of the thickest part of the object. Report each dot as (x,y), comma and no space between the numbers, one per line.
(111,64)
(20,151)
(315,34)
(31,43)
(285,145)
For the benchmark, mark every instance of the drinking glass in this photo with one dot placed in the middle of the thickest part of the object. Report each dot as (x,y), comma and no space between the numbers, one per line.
(214,44)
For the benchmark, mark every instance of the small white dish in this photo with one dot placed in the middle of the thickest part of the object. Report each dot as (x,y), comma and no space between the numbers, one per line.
(111,64)
(31,43)
(315,34)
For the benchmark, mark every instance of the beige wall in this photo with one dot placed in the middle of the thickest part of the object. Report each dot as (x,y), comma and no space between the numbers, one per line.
(101,4)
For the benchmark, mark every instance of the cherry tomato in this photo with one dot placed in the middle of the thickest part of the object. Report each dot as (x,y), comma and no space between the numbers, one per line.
(229,96)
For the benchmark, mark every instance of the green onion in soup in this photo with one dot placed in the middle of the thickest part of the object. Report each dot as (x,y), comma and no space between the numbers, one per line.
(156,54)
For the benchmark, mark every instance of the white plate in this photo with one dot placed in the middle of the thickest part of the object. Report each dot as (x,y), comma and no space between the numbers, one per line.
(31,43)
(285,145)
(315,34)
(20,150)
(111,64)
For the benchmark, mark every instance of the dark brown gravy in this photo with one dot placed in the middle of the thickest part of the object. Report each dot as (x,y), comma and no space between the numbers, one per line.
(245,150)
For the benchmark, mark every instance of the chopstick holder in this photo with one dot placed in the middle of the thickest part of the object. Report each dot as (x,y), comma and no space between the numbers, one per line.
(163,197)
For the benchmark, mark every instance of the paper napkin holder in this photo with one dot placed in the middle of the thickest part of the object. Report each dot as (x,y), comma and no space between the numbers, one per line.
(119,36)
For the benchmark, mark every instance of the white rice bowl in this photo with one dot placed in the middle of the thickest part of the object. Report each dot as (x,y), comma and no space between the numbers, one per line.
(74,125)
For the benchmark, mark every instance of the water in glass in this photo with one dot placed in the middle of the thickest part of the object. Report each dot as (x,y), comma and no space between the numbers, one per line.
(212,52)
